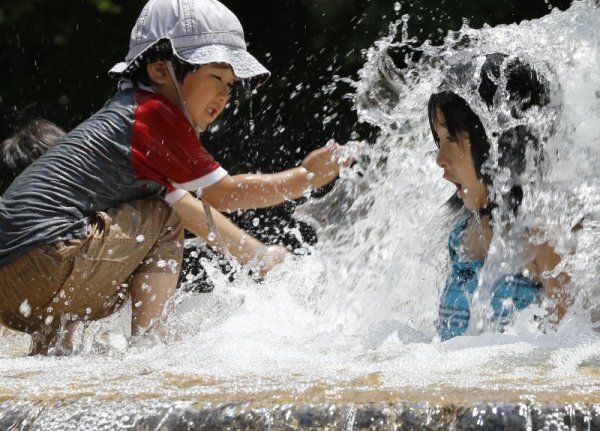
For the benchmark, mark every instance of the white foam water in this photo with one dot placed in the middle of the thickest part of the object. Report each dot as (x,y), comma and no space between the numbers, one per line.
(354,316)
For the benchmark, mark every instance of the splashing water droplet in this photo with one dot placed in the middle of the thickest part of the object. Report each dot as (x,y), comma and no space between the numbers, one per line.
(161,263)
(48,320)
(172,264)
(211,237)
(255,221)
(140,238)
(25,309)
(397,6)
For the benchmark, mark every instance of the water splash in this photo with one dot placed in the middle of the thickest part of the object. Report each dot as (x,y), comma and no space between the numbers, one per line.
(405,192)
(353,316)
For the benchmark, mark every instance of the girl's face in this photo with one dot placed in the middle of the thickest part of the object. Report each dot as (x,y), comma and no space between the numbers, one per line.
(454,157)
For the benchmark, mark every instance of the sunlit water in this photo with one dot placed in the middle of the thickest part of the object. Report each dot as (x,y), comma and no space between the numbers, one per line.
(353,318)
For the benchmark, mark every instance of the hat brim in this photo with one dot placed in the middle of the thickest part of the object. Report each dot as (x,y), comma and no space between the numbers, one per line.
(118,69)
(245,67)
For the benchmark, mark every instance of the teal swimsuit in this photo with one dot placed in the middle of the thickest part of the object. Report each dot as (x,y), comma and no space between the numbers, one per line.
(509,292)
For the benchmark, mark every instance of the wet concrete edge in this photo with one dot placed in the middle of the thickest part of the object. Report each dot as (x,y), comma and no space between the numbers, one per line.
(182,415)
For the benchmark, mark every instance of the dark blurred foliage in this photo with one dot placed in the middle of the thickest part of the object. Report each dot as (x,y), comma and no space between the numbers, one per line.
(55,54)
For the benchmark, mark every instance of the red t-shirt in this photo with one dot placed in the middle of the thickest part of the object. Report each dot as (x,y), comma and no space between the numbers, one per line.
(139,144)
(165,148)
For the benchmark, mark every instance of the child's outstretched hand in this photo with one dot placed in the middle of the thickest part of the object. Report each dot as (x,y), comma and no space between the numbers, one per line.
(272,256)
(323,164)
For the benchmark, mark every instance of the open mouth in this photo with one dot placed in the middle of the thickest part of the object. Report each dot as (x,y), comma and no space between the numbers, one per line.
(459,187)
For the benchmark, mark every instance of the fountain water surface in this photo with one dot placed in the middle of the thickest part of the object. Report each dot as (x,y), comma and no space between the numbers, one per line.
(343,335)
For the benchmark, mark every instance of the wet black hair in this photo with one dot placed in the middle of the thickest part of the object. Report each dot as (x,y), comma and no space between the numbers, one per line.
(461,118)
(27,144)
(524,88)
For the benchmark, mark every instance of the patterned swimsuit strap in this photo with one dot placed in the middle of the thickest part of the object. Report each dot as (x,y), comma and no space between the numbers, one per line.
(456,234)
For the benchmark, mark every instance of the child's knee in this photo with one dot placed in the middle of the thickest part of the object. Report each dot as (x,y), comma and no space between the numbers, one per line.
(169,246)
(171,222)
(155,221)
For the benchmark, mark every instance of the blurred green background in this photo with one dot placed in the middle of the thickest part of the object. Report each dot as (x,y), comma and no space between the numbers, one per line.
(55,54)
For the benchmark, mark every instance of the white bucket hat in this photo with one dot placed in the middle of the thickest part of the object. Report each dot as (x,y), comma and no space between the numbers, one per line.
(200,32)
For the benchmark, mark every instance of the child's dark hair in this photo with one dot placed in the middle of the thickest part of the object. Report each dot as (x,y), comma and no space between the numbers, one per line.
(26,145)
(162,50)
(524,89)
(460,117)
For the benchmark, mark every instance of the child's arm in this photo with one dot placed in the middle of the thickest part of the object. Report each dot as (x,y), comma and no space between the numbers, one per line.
(240,244)
(246,191)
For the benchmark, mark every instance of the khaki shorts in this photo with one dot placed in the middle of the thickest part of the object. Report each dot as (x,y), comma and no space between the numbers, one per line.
(87,279)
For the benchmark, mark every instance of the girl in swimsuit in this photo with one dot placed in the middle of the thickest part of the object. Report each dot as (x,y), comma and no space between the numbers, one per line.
(464,148)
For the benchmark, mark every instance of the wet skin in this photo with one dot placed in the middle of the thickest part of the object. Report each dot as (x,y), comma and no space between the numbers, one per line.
(205,93)
(454,157)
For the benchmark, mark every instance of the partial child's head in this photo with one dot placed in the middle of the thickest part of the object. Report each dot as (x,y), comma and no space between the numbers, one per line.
(186,46)
(463,147)
(500,81)
(24,147)
(204,91)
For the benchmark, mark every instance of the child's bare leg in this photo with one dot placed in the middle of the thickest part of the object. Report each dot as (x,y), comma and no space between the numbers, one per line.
(54,336)
(40,342)
(149,296)
(65,338)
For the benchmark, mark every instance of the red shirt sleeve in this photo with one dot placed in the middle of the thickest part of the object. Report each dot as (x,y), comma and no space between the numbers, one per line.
(165,148)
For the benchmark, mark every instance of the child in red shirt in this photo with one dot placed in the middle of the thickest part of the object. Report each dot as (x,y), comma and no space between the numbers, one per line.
(100,216)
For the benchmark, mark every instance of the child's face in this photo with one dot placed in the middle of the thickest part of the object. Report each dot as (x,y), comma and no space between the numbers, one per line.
(206,92)
(454,156)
